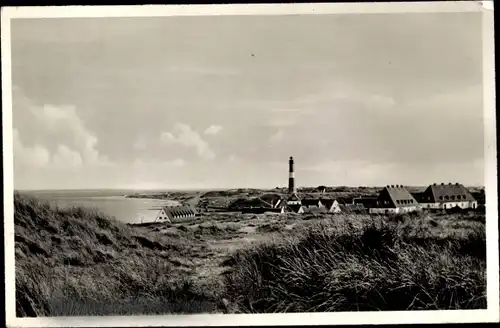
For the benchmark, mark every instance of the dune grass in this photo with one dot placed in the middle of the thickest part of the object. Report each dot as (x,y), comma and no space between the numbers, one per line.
(77,261)
(375,265)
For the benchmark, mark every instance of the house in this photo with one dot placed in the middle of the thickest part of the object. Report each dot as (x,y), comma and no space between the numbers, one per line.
(367,202)
(266,203)
(311,202)
(447,196)
(479,196)
(344,200)
(152,215)
(331,205)
(394,199)
(272,200)
(242,203)
(293,199)
(179,213)
(419,196)
(295,208)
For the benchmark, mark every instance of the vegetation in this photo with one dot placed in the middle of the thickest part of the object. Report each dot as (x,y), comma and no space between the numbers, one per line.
(78,261)
(407,263)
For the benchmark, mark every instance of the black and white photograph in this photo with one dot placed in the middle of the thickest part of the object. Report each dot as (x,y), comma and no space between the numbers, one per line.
(227,161)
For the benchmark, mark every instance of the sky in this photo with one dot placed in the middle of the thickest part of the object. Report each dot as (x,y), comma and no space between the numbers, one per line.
(224,101)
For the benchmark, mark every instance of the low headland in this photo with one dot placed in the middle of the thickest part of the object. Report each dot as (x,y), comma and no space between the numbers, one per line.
(78,261)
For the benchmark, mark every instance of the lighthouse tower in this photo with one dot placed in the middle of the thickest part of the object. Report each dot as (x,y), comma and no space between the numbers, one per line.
(293,200)
(291,177)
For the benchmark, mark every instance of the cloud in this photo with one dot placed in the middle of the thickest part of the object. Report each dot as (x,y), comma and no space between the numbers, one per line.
(39,156)
(74,143)
(66,157)
(36,156)
(65,120)
(167,137)
(213,129)
(185,136)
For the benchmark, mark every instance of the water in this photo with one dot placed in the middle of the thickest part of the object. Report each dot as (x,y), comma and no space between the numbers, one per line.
(111,202)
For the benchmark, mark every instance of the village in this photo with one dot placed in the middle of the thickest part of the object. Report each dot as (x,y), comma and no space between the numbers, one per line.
(390,200)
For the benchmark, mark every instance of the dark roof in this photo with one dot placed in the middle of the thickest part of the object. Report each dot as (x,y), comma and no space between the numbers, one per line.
(176,211)
(399,196)
(295,207)
(310,201)
(270,199)
(248,202)
(344,200)
(260,210)
(441,193)
(327,202)
(419,196)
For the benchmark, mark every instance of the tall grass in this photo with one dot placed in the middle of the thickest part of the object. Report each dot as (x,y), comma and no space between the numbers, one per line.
(79,262)
(380,265)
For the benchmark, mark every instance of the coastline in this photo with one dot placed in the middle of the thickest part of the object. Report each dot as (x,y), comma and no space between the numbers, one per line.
(205,265)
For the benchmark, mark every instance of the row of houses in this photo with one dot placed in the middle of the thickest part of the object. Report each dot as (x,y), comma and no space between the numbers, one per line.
(391,199)
(275,203)
(397,199)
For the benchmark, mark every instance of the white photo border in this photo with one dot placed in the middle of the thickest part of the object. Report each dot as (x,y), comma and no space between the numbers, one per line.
(491,314)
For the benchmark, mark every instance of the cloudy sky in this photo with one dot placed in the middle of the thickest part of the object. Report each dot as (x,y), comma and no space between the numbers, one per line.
(200,102)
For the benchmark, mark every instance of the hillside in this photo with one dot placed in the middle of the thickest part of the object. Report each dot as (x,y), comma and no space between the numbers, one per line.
(80,262)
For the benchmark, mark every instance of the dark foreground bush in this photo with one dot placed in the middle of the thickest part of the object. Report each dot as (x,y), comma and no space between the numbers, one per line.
(372,268)
(79,262)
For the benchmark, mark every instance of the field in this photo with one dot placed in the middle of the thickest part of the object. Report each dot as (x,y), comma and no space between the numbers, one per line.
(80,262)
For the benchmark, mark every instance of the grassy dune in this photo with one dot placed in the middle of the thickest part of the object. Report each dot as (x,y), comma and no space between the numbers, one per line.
(79,262)
(377,265)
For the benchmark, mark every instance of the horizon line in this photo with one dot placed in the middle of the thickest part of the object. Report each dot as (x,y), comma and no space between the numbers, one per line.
(229,188)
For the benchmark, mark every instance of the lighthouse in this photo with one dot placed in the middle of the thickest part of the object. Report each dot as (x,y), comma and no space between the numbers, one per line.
(291,177)
(293,202)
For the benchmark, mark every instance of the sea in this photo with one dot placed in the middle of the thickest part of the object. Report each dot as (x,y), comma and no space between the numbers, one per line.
(110,202)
